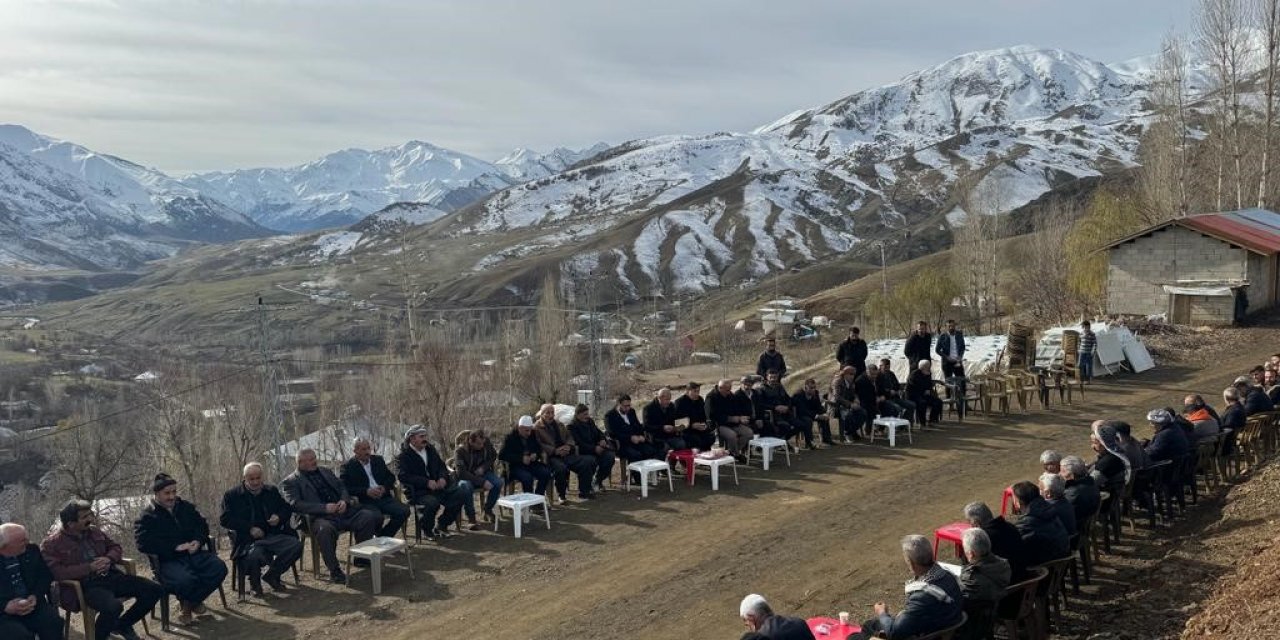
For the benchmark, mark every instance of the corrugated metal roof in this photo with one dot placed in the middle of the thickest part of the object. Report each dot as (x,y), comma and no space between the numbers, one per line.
(1257,230)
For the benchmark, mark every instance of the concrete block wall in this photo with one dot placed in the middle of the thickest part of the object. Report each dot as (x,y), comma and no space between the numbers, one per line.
(1261,282)
(1137,269)
(1212,310)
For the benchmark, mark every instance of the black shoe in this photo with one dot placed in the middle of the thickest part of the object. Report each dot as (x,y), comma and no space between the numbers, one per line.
(829,443)
(586,496)
(337,577)
(274,582)
(442,533)
(363,563)
(128,633)
(255,584)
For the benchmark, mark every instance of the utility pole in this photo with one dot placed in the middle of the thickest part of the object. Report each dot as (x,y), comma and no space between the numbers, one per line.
(593,334)
(270,421)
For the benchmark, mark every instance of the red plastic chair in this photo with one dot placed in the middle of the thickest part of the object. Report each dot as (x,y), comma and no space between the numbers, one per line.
(684,456)
(953,533)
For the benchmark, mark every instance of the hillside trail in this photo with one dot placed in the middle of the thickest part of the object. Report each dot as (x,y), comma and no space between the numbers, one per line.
(816,538)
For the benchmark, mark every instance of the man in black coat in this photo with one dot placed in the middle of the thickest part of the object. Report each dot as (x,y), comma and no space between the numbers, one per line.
(1006,541)
(810,408)
(1042,533)
(427,481)
(259,516)
(923,395)
(321,502)
(626,429)
(525,459)
(771,359)
(660,423)
(700,434)
(24,589)
(174,531)
(1081,490)
(852,352)
(731,419)
(890,388)
(759,617)
(918,343)
(368,479)
(775,408)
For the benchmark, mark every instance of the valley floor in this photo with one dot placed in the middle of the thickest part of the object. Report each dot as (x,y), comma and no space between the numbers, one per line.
(816,538)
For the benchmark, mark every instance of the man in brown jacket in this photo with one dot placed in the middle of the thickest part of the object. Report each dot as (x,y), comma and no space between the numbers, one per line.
(476,461)
(562,455)
(81,552)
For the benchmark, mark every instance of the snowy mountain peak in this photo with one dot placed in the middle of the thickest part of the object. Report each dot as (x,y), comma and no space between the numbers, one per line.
(526,164)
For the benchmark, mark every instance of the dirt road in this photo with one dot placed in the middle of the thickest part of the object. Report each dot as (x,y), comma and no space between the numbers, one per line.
(816,538)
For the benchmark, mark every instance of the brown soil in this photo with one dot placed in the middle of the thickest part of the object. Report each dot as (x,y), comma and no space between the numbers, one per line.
(816,538)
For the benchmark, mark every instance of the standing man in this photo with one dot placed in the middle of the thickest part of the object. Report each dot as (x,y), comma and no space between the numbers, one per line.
(317,494)
(81,552)
(24,585)
(259,515)
(427,481)
(918,343)
(174,531)
(852,352)
(367,477)
(771,359)
(950,348)
(692,407)
(1088,344)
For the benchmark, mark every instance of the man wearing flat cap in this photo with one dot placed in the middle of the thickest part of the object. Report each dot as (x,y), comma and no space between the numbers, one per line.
(428,482)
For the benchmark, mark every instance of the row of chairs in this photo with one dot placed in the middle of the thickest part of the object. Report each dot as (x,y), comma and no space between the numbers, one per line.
(997,392)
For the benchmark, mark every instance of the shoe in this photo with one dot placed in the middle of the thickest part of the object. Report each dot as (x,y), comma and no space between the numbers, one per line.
(199,609)
(829,443)
(560,501)
(848,440)
(255,584)
(597,487)
(362,563)
(473,526)
(337,577)
(586,496)
(442,533)
(275,583)
(184,617)
(489,516)
(128,633)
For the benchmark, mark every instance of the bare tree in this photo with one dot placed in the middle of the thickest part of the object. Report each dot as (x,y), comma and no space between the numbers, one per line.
(99,459)
(976,252)
(1267,15)
(1039,285)
(1162,179)
(1220,27)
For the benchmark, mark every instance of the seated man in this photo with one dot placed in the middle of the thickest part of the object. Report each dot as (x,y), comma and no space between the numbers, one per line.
(562,455)
(1111,468)
(1253,397)
(173,530)
(1079,489)
(864,386)
(775,405)
(888,386)
(1051,461)
(322,506)
(748,398)
(1006,541)
(760,619)
(592,445)
(1169,442)
(731,419)
(259,515)
(934,601)
(811,408)
(692,407)
(475,461)
(523,454)
(1130,447)
(427,482)
(921,392)
(625,428)
(81,552)
(1053,490)
(367,477)
(854,418)
(1201,416)
(24,589)
(1043,535)
(660,423)
(985,576)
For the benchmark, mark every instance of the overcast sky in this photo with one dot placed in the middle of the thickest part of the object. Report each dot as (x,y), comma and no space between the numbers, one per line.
(191,86)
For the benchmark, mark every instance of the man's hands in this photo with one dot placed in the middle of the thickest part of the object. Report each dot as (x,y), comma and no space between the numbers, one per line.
(188,547)
(273,520)
(20,606)
(375,492)
(563,450)
(600,449)
(100,564)
(256,533)
(337,508)
(637,439)
(528,459)
(881,609)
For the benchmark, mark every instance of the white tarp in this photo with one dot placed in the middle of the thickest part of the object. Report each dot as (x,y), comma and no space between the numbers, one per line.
(981,353)
(1116,346)
(1197,291)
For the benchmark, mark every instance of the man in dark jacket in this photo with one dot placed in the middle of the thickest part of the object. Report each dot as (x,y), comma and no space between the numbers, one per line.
(950,348)
(1042,533)
(692,407)
(1006,541)
(561,454)
(934,600)
(759,617)
(731,419)
(593,444)
(854,418)
(1081,490)
(320,501)
(775,405)
(810,408)
(1169,442)
(852,352)
(923,395)
(985,576)
(24,589)
(259,516)
(888,386)
(660,423)
(771,359)
(173,530)
(427,481)
(476,461)
(81,552)
(367,477)
(748,398)
(1254,398)
(627,430)
(917,346)
(1052,491)
(525,461)
(864,386)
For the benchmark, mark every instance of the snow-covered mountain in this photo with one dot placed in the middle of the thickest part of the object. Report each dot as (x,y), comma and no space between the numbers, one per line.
(997,129)
(526,164)
(343,187)
(65,206)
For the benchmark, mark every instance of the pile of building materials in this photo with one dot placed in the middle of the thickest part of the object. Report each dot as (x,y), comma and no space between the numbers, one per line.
(1118,349)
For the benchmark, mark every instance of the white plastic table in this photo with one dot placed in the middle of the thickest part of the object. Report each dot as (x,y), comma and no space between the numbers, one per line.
(647,467)
(374,550)
(891,426)
(714,465)
(766,447)
(521,504)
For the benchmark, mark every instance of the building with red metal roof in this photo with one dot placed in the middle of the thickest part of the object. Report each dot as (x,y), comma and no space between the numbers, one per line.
(1212,268)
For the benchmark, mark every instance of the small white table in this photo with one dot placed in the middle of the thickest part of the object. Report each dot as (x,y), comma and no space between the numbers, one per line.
(714,465)
(374,550)
(891,426)
(647,467)
(520,504)
(766,447)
